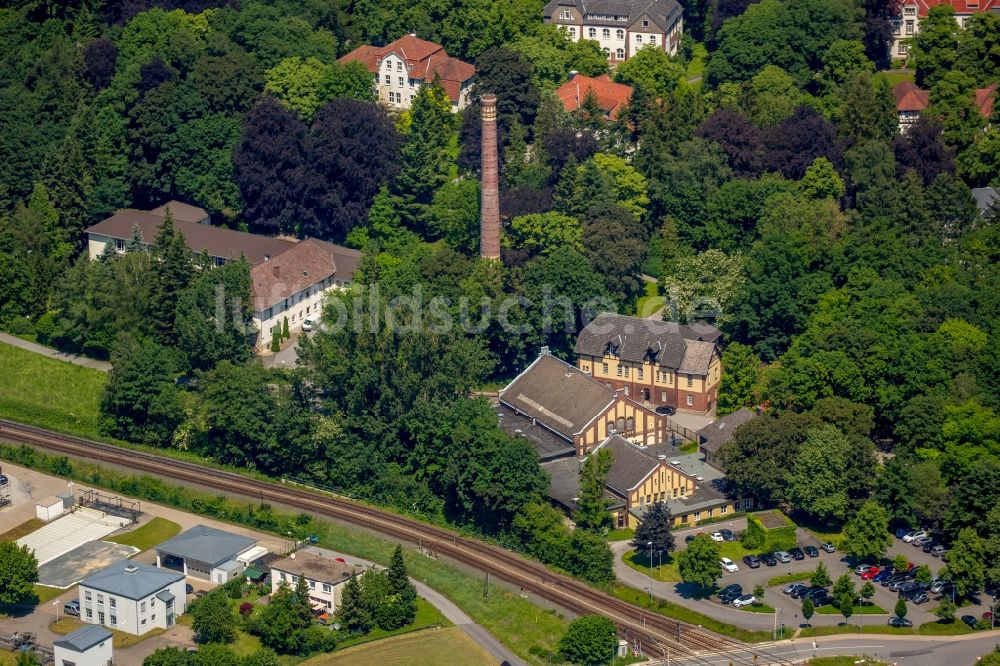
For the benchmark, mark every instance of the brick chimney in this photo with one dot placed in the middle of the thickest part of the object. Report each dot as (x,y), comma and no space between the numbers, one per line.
(489,231)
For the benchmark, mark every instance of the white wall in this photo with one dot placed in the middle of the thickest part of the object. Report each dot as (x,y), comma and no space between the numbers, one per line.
(329,594)
(99,655)
(131,616)
(48,513)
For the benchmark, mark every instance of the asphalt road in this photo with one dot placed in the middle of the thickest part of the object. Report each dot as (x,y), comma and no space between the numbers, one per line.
(789,610)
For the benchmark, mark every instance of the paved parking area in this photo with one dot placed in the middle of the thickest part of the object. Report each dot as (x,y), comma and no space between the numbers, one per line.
(74,566)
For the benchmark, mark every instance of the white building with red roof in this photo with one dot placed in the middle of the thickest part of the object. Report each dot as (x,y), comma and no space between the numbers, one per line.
(911,12)
(611,97)
(911,101)
(402,66)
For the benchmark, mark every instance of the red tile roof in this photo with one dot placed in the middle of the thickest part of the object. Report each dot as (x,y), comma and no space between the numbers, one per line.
(909,97)
(985,98)
(425,61)
(960,6)
(611,97)
(300,266)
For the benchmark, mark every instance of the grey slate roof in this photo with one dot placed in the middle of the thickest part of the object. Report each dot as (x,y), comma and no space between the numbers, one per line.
(661,13)
(717,433)
(564,484)
(548,444)
(165,596)
(629,467)
(84,638)
(637,339)
(558,395)
(132,580)
(206,544)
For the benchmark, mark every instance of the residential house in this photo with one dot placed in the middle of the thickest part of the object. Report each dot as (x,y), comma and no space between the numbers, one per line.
(715,434)
(132,597)
(325,577)
(655,363)
(609,96)
(208,553)
(402,66)
(911,101)
(573,411)
(621,27)
(292,286)
(911,12)
(87,646)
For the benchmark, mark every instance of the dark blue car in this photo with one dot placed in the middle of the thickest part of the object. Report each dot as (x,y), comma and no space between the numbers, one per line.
(882,575)
(902,532)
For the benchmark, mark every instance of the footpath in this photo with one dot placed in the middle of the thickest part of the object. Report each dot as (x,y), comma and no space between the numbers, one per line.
(35,348)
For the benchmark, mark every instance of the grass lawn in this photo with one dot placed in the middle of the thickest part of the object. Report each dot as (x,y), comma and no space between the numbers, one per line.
(758,608)
(432,647)
(49,393)
(623,534)
(689,447)
(66,625)
(836,538)
(810,632)
(427,617)
(667,572)
(843,661)
(46,593)
(155,531)
(27,527)
(894,76)
(650,301)
(696,68)
(678,612)
(789,578)
(245,644)
(858,610)
(955,628)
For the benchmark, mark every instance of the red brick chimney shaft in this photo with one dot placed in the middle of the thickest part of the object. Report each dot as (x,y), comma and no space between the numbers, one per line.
(489,230)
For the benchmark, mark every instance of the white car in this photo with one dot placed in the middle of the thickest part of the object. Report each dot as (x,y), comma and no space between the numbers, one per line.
(307,325)
(729,565)
(717,536)
(744,600)
(916,535)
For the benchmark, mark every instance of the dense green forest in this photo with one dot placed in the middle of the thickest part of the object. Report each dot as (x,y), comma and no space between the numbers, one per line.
(855,281)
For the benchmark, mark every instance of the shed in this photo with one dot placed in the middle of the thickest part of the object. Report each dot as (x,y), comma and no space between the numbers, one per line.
(49,508)
(205,552)
(87,646)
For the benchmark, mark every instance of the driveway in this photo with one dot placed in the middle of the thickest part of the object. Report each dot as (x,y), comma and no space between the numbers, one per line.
(288,357)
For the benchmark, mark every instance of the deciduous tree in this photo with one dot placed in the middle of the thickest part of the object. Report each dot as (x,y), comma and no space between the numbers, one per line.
(589,639)
(866,535)
(699,564)
(20,573)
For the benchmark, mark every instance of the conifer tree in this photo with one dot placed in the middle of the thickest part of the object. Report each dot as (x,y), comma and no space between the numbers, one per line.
(171,276)
(284,329)
(353,612)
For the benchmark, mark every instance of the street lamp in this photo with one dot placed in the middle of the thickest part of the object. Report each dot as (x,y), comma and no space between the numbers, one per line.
(56,604)
(650,544)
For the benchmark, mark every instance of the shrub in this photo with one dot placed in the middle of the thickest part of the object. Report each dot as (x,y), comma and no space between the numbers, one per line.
(246,608)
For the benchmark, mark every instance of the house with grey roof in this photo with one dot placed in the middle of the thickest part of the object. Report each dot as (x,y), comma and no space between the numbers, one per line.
(715,434)
(132,597)
(663,365)
(87,646)
(621,27)
(208,553)
(577,411)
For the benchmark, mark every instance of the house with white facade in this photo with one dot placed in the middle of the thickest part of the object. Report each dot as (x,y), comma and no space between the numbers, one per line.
(401,67)
(907,24)
(621,27)
(325,577)
(132,597)
(87,646)
(208,553)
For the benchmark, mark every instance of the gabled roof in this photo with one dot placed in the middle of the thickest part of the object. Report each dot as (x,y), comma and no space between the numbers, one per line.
(985,97)
(636,339)
(611,96)
(558,395)
(909,97)
(217,241)
(300,266)
(132,580)
(717,433)
(206,544)
(424,60)
(84,638)
(629,466)
(960,6)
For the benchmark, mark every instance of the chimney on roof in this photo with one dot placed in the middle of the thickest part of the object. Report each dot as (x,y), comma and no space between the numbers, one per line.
(489,211)
(277,270)
(572,73)
(131,569)
(544,351)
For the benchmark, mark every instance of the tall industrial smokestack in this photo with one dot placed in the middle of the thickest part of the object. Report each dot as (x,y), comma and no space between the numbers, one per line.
(489,211)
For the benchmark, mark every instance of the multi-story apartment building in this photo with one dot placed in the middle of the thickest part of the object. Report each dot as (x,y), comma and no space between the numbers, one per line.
(656,363)
(133,597)
(402,66)
(911,12)
(621,27)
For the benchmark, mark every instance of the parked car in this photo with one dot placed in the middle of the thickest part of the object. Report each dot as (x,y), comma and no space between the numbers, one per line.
(727,535)
(796,553)
(871,573)
(188,588)
(927,545)
(307,325)
(899,622)
(914,535)
(744,600)
(940,586)
(795,587)
(903,531)
(938,551)
(920,541)
(907,586)
(860,569)
(752,561)
(717,536)
(811,551)
(769,559)
(828,547)
(782,556)
(4,480)
(883,575)
(730,592)
(969,620)
(729,565)
(666,410)
(916,597)
(812,593)
(821,600)
(72,608)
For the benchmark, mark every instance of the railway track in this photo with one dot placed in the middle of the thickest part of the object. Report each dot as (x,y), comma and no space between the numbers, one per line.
(657,635)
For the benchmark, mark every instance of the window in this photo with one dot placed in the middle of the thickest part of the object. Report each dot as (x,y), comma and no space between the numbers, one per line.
(399,66)
(567,14)
(746,504)
(690,381)
(620,54)
(618,371)
(100,598)
(620,424)
(411,83)
(114,619)
(112,602)
(697,515)
(90,614)
(142,607)
(630,424)
(909,27)
(86,595)
(606,33)
(388,79)
(638,39)
(143,622)
(652,39)
(903,48)
(120,244)
(663,396)
(153,618)
(711,512)
(639,371)
(627,369)
(401,79)
(312,585)
(724,510)
(592,33)
(100,617)
(910,11)
(326,587)
(690,401)
(620,34)
(572,33)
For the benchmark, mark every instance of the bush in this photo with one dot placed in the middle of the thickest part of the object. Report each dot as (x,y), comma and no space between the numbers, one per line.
(755,536)
(246,608)
(588,640)
(44,327)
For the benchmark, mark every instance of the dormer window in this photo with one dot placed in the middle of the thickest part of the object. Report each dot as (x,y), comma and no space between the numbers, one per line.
(645,23)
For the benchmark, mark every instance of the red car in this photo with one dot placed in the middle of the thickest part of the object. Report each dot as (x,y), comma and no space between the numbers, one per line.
(870,573)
